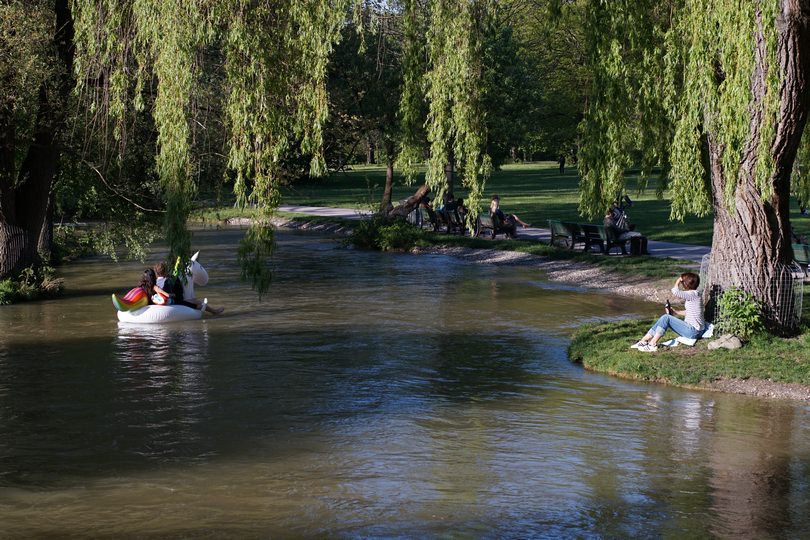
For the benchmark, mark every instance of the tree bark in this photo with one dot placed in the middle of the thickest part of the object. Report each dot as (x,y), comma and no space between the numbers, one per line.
(26,207)
(449,171)
(751,244)
(410,203)
(370,159)
(385,204)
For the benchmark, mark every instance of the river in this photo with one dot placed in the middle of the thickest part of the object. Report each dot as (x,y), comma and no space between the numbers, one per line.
(370,395)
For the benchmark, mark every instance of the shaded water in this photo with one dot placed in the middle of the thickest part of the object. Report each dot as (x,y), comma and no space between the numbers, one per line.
(369,395)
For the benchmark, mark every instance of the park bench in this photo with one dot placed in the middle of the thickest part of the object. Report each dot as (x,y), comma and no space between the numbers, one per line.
(801,254)
(451,221)
(605,239)
(486,225)
(568,234)
(421,218)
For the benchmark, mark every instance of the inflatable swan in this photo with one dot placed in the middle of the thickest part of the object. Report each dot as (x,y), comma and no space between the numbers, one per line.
(134,306)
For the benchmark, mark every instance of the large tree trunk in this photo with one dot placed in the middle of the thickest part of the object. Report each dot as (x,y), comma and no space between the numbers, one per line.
(370,159)
(385,205)
(751,244)
(26,206)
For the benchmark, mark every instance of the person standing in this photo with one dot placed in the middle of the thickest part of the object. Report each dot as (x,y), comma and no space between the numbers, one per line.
(561,160)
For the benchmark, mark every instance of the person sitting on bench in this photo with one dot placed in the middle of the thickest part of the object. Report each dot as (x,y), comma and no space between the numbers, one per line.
(504,222)
(638,242)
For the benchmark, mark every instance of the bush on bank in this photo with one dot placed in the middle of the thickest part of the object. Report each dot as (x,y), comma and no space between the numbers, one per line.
(606,348)
(30,284)
(381,234)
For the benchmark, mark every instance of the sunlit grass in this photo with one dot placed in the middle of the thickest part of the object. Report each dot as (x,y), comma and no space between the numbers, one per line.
(605,348)
(536,192)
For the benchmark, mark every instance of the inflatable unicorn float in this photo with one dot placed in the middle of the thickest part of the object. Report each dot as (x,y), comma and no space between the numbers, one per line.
(134,306)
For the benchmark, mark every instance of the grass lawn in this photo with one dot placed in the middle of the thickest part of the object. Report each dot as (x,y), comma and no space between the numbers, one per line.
(605,348)
(536,192)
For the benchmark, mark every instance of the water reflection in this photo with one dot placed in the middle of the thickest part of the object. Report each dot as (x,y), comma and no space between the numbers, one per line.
(372,396)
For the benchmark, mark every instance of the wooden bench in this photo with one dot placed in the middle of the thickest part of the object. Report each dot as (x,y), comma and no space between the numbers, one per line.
(486,225)
(606,240)
(560,235)
(568,234)
(451,221)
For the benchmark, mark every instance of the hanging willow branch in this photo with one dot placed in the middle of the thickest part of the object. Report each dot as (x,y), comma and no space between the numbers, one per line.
(669,76)
(452,86)
(275,57)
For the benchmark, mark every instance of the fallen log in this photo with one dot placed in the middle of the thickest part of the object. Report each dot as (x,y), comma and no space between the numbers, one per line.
(408,205)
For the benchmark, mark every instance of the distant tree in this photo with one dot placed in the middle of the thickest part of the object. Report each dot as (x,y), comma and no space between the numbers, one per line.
(365,79)
(550,44)
(36,60)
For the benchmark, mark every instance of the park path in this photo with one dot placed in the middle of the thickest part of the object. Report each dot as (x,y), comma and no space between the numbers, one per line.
(687,252)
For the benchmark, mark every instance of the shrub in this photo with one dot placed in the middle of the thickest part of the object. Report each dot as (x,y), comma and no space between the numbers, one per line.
(30,284)
(380,234)
(739,313)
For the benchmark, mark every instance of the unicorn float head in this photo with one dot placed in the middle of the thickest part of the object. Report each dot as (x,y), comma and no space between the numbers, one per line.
(195,275)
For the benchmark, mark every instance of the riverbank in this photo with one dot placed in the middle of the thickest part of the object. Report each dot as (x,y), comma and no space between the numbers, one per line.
(768,367)
(628,279)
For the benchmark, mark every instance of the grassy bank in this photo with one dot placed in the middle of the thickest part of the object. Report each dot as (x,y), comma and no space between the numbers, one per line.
(605,348)
(536,192)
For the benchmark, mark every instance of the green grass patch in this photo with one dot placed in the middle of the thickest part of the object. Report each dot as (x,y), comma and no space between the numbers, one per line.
(605,348)
(536,192)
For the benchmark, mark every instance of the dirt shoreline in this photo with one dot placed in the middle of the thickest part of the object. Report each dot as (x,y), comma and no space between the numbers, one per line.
(583,275)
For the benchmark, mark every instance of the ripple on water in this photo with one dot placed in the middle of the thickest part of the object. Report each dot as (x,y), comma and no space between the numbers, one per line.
(370,395)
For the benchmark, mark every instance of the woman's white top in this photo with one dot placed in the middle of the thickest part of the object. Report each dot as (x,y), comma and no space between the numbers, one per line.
(693,305)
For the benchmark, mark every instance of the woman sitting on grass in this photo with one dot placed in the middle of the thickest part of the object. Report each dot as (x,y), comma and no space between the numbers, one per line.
(693,324)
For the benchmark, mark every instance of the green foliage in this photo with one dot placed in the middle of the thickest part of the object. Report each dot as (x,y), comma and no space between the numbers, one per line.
(538,90)
(739,313)
(411,101)
(269,59)
(667,78)
(254,254)
(27,62)
(453,88)
(30,284)
(383,235)
(627,110)
(365,81)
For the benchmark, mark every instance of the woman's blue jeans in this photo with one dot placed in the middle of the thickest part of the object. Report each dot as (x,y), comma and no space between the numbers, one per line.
(677,325)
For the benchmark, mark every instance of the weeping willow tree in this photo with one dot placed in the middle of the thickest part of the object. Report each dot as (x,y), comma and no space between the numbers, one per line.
(35,82)
(271,59)
(717,92)
(443,66)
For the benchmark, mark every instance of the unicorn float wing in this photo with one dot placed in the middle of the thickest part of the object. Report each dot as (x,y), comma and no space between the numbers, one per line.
(134,299)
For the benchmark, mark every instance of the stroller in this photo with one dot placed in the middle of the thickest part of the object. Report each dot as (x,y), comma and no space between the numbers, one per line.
(620,206)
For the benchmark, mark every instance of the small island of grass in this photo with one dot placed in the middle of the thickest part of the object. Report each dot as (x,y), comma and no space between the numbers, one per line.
(767,365)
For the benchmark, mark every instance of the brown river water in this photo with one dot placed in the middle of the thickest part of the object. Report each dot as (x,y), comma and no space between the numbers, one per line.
(370,395)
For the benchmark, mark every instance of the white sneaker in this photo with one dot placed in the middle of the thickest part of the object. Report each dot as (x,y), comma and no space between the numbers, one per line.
(648,348)
(638,344)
